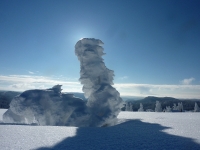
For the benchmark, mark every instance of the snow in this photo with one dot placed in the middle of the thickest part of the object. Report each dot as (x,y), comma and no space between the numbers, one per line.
(46,107)
(136,130)
(104,101)
(196,107)
(185,124)
(2,111)
(141,107)
(43,119)
(158,107)
(51,107)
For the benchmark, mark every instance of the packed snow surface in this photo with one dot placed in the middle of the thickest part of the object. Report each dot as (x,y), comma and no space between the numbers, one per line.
(135,130)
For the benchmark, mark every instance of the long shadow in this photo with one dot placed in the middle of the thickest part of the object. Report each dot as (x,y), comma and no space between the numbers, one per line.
(130,135)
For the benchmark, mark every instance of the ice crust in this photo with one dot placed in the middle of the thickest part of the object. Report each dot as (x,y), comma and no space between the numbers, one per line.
(51,107)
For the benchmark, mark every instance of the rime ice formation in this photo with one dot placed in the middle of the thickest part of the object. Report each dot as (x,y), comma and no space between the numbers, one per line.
(141,107)
(196,107)
(129,107)
(158,107)
(104,101)
(51,107)
(168,109)
(46,107)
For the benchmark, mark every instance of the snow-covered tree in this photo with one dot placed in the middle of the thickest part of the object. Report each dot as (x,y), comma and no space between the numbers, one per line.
(180,107)
(127,107)
(158,107)
(131,107)
(175,108)
(141,107)
(168,109)
(196,108)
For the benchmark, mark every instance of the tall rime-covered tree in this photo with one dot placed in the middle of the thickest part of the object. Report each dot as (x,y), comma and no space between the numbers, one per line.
(158,107)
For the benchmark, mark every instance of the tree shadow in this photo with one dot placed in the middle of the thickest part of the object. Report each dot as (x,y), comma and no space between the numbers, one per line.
(133,134)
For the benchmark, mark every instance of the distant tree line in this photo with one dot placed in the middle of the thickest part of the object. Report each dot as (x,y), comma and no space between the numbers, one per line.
(145,104)
(157,104)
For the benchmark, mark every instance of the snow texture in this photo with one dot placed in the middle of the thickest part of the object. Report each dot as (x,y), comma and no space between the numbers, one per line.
(51,107)
(136,130)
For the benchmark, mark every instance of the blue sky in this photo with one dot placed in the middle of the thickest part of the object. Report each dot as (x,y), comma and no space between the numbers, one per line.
(152,46)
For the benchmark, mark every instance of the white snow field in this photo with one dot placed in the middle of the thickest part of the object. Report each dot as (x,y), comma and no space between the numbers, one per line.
(136,130)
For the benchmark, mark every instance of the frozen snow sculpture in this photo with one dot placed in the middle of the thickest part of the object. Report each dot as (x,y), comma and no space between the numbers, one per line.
(104,101)
(46,107)
(196,108)
(141,107)
(51,107)
(158,107)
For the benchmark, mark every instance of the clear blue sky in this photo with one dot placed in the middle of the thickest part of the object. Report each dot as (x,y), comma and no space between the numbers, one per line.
(148,44)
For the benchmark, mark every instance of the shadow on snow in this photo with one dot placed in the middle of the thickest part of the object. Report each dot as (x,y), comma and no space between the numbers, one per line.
(132,134)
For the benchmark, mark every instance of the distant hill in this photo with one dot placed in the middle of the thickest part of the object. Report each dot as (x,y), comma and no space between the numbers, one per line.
(125,98)
(150,101)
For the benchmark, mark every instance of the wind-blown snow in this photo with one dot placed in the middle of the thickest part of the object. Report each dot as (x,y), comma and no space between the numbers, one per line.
(51,107)
(137,130)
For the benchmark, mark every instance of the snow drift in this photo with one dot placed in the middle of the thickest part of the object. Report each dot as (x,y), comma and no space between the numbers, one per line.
(51,107)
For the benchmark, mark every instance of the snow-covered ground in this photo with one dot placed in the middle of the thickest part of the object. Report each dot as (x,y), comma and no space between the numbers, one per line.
(137,130)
